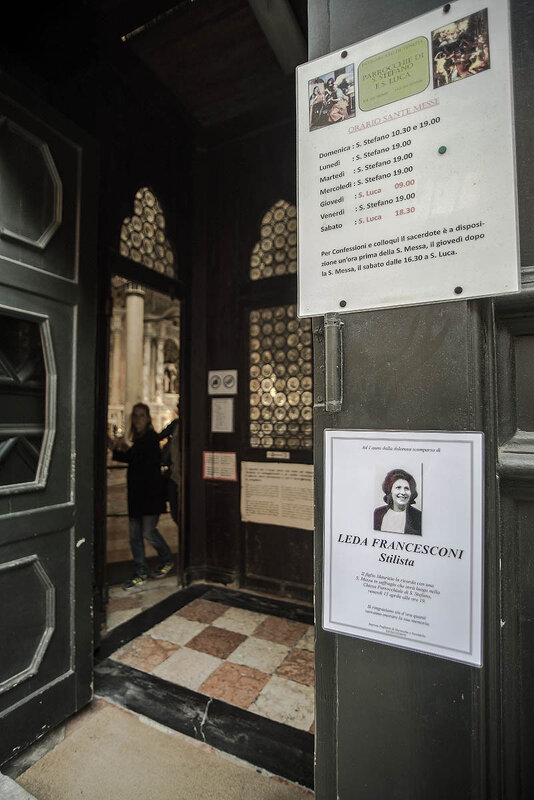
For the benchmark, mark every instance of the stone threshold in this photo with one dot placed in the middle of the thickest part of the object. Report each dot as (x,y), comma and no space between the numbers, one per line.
(274,746)
(278,748)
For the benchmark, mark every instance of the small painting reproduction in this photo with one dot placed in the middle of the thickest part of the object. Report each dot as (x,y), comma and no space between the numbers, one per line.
(331,97)
(461,49)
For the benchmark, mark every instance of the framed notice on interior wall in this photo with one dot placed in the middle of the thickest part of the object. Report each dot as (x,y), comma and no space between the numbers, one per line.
(277,494)
(403,536)
(406,165)
(219,466)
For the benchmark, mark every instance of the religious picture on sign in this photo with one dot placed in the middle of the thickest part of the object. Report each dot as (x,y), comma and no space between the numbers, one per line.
(400,492)
(461,49)
(331,97)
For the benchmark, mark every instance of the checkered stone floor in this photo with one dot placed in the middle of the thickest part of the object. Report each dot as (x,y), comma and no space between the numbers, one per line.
(258,662)
(123,606)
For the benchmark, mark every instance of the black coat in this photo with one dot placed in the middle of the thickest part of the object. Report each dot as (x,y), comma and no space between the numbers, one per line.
(413,520)
(145,483)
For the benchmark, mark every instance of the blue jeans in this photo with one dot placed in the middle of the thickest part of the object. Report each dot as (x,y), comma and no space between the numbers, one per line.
(145,528)
(173,499)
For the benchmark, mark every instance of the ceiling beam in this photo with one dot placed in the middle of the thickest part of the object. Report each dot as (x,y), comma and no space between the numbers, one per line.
(282,31)
(133,16)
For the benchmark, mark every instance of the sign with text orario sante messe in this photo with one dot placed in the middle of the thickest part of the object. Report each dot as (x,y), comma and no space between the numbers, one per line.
(403,539)
(406,165)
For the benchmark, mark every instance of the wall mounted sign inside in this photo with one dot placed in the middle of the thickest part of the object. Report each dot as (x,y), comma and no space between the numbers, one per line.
(403,533)
(406,180)
(222,381)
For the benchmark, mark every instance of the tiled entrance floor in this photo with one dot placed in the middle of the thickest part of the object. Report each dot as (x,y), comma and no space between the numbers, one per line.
(252,660)
(122,605)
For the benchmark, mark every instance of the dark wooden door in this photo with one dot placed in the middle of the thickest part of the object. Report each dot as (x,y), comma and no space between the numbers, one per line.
(396,724)
(47,312)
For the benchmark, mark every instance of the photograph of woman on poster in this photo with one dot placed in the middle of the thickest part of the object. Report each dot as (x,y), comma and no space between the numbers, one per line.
(399,514)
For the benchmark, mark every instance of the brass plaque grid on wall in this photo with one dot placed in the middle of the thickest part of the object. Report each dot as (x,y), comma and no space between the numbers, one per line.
(280,379)
(276,251)
(143,237)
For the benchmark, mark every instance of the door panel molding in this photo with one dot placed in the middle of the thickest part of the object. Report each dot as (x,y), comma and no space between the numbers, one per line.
(18,432)
(59,679)
(53,245)
(34,563)
(29,185)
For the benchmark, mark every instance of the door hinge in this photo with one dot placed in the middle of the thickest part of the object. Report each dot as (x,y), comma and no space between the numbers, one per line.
(333,353)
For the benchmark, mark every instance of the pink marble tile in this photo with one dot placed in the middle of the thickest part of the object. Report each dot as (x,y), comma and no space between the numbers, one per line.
(298,667)
(202,610)
(145,653)
(283,631)
(235,684)
(216,642)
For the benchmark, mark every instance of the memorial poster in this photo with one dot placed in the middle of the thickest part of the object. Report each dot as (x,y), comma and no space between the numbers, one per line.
(403,533)
(406,165)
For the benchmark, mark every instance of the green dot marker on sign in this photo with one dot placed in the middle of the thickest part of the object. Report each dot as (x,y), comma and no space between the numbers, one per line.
(442,150)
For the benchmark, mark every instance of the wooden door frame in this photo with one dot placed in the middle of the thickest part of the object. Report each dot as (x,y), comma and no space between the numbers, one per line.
(115,264)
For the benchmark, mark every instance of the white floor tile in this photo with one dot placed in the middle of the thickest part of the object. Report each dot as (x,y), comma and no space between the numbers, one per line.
(307,641)
(240,620)
(286,701)
(187,668)
(176,629)
(259,654)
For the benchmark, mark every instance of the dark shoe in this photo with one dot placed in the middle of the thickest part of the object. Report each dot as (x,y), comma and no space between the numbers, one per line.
(135,582)
(163,570)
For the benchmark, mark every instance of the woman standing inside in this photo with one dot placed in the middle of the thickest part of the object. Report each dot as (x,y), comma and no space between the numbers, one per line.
(145,495)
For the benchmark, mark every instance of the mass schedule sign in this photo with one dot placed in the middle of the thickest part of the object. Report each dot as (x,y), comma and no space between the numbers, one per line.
(406,165)
(403,539)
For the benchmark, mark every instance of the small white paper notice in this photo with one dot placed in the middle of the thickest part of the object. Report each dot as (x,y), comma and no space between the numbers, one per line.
(277,494)
(219,466)
(222,415)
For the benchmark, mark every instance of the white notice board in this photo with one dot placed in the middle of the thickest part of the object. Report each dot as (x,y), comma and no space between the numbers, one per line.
(222,414)
(406,165)
(403,533)
(277,494)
